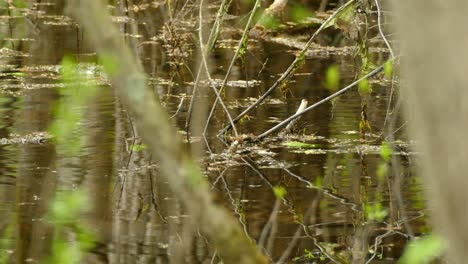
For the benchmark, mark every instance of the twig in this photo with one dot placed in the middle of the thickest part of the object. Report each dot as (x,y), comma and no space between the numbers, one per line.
(178,107)
(340,92)
(273,231)
(218,96)
(377,242)
(236,209)
(263,67)
(211,42)
(268,225)
(290,126)
(325,191)
(291,69)
(379,22)
(390,101)
(192,99)
(242,41)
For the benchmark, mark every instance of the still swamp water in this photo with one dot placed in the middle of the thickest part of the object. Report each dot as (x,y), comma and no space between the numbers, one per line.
(336,199)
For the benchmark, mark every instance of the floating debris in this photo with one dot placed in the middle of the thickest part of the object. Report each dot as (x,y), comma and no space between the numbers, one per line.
(6,52)
(32,138)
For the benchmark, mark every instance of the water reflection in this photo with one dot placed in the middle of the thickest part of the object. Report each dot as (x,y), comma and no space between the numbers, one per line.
(135,216)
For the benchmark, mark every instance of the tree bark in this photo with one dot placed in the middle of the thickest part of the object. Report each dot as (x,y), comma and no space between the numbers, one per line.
(182,174)
(434,41)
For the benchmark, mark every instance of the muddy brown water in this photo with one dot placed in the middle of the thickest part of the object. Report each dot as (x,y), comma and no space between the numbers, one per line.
(134,215)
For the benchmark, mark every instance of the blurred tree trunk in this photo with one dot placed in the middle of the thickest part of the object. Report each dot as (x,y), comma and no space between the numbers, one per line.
(434,40)
(163,142)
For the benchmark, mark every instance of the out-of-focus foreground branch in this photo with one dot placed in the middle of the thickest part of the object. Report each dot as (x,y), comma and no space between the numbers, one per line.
(435,59)
(179,170)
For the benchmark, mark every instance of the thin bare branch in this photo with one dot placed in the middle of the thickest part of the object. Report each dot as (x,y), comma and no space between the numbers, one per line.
(291,69)
(338,93)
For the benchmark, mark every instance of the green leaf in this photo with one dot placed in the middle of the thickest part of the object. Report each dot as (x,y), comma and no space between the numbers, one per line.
(375,212)
(139,147)
(194,176)
(318,182)
(382,170)
(20,3)
(68,110)
(332,78)
(269,22)
(364,87)
(388,68)
(423,250)
(385,151)
(109,63)
(279,192)
(300,13)
(68,205)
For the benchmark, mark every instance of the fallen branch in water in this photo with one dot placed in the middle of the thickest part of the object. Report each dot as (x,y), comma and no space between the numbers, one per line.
(290,126)
(338,93)
(291,69)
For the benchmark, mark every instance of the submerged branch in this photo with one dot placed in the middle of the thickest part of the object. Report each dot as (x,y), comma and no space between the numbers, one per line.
(340,92)
(291,125)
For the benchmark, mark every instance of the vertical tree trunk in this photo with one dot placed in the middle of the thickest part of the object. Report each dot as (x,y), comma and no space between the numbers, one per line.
(434,40)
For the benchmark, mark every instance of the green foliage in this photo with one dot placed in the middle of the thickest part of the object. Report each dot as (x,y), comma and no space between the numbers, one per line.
(14,4)
(299,13)
(385,151)
(423,250)
(388,68)
(382,170)
(67,206)
(297,144)
(69,109)
(345,17)
(364,126)
(385,154)
(308,254)
(269,22)
(223,9)
(109,63)
(318,182)
(5,243)
(248,2)
(364,87)
(244,40)
(332,77)
(19,74)
(300,59)
(242,48)
(139,147)
(20,3)
(63,214)
(279,192)
(375,212)
(193,173)
(244,119)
